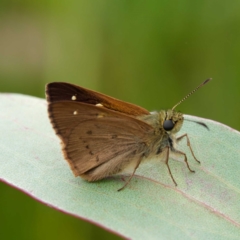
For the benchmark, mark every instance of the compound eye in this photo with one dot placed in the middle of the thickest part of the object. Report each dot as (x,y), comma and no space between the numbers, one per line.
(168,125)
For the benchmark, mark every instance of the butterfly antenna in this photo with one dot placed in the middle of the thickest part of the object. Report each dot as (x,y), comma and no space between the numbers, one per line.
(206,81)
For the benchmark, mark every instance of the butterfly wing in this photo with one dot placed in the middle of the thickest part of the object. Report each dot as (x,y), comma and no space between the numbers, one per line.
(61,91)
(98,142)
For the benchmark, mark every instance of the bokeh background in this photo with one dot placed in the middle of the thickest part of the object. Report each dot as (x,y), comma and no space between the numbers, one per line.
(151,53)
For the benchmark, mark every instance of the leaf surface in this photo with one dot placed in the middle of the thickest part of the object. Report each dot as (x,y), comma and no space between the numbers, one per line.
(204,205)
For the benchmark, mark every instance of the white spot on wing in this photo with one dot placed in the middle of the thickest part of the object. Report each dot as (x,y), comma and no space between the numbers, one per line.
(100,115)
(99,105)
(74,98)
(75,112)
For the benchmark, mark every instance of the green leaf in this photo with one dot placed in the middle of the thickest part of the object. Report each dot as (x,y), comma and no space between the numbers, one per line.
(204,205)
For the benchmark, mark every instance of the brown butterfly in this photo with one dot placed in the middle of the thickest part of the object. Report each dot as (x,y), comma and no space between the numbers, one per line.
(102,136)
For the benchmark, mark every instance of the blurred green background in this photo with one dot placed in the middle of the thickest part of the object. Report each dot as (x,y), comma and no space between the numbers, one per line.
(151,53)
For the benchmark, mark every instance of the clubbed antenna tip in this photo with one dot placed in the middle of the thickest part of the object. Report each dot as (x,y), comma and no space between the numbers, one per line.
(206,81)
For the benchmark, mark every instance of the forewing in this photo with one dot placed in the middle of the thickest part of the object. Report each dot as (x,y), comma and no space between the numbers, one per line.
(60,91)
(98,142)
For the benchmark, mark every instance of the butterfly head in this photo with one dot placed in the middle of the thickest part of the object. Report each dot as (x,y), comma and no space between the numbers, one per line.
(171,120)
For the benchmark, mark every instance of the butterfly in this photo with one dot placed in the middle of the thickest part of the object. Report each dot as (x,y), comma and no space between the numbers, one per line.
(102,136)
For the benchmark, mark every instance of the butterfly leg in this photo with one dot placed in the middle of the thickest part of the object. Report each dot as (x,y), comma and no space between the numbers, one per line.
(129,179)
(185,159)
(189,145)
(166,161)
